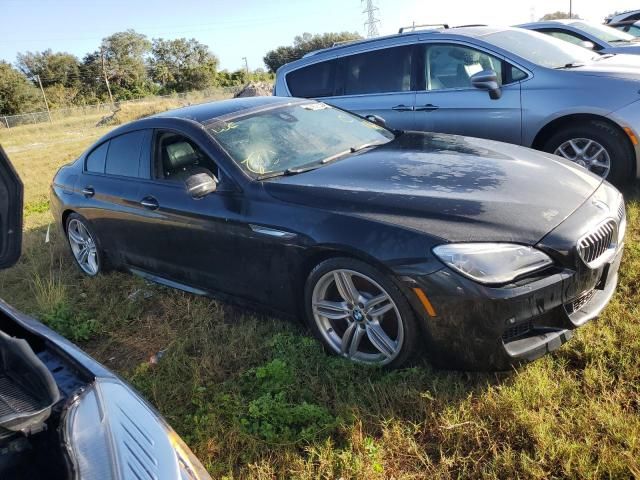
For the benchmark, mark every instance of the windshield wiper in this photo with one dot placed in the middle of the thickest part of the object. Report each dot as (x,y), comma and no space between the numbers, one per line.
(603,56)
(294,171)
(351,150)
(570,65)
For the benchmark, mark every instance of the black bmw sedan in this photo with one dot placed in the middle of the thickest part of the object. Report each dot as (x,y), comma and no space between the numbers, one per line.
(484,254)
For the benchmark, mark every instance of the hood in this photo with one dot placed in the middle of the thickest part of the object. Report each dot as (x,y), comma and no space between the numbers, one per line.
(456,188)
(619,65)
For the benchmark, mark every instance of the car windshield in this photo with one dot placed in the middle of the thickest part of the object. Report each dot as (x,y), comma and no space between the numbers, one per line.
(604,33)
(541,49)
(294,137)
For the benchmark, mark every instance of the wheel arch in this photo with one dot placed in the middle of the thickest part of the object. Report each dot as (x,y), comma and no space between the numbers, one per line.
(545,133)
(64,216)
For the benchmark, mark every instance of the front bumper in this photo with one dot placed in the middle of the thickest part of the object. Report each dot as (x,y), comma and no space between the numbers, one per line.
(477,327)
(629,117)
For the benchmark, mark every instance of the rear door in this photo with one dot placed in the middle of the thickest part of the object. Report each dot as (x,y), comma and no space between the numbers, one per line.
(449,103)
(109,184)
(11,192)
(375,82)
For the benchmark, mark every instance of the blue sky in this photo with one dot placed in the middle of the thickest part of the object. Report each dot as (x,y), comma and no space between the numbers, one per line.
(247,28)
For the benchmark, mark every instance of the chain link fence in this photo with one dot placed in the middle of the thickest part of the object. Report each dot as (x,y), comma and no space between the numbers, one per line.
(10,121)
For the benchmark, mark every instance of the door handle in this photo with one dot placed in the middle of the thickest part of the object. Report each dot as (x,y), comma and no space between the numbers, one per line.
(150,203)
(429,107)
(88,191)
(402,108)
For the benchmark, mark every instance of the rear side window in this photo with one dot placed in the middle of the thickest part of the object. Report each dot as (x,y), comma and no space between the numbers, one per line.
(123,157)
(96,159)
(314,81)
(380,71)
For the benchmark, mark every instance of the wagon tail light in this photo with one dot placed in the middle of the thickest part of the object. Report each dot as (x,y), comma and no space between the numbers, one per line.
(492,263)
(110,432)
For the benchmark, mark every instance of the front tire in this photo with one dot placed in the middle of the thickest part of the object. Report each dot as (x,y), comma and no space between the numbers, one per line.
(598,146)
(359,313)
(84,245)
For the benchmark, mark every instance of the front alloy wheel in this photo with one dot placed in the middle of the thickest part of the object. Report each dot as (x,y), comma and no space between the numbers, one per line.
(357,317)
(588,154)
(83,246)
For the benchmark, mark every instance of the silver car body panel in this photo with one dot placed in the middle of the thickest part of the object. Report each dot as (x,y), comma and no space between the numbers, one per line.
(525,108)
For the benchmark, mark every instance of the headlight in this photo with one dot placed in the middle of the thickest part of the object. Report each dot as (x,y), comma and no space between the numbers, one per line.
(492,262)
(112,434)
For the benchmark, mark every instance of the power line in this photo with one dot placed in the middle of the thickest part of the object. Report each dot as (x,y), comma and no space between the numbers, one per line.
(372,22)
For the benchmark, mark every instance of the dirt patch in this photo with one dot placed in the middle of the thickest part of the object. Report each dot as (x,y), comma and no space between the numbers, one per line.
(255,89)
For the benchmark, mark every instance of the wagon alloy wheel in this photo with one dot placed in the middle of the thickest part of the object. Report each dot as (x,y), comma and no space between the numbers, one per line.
(586,153)
(83,246)
(357,317)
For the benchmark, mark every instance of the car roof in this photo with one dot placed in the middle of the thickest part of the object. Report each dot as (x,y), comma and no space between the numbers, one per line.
(557,21)
(466,31)
(203,112)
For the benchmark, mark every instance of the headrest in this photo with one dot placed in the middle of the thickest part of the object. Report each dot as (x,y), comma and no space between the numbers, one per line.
(181,154)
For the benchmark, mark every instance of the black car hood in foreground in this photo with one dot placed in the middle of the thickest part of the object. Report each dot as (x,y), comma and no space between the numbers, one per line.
(456,188)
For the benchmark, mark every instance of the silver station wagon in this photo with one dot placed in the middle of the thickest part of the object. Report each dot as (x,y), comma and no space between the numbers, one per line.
(505,84)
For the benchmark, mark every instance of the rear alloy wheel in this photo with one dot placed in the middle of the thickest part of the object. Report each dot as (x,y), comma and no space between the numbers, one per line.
(84,246)
(597,146)
(358,313)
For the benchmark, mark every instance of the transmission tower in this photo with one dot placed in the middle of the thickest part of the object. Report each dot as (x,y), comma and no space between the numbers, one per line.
(372,22)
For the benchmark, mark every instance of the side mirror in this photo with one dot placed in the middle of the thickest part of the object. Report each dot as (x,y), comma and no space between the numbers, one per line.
(200,185)
(377,120)
(487,80)
(588,45)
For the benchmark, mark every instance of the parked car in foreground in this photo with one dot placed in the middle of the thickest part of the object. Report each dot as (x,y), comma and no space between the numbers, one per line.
(63,415)
(600,38)
(485,253)
(632,27)
(504,84)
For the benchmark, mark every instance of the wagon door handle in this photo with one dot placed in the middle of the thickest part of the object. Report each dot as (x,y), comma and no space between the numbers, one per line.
(429,107)
(402,108)
(150,203)
(88,191)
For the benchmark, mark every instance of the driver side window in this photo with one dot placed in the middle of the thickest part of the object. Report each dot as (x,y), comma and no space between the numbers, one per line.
(452,66)
(177,158)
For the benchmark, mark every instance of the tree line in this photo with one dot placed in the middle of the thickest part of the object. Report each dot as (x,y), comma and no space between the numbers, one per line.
(132,66)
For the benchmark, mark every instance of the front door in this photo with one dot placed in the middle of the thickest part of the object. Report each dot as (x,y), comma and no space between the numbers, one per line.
(451,104)
(203,243)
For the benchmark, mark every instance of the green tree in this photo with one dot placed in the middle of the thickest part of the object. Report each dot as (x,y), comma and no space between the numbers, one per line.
(303,44)
(181,65)
(125,55)
(558,15)
(54,68)
(17,95)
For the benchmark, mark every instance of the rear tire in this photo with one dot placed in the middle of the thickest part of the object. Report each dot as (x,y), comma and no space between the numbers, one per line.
(84,245)
(617,149)
(359,313)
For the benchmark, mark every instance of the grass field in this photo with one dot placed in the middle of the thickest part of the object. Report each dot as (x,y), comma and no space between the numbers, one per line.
(255,397)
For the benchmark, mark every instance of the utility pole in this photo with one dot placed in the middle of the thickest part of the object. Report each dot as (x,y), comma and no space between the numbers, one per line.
(570,8)
(46,104)
(106,80)
(246,65)
(372,22)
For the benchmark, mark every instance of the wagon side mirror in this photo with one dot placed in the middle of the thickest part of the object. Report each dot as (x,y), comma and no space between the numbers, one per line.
(487,80)
(378,120)
(588,45)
